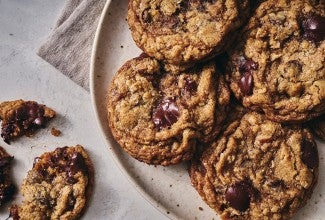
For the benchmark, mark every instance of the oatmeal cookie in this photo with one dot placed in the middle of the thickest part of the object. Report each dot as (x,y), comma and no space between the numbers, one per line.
(157,117)
(57,187)
(7,188)
(279,64)
(257,169)
(22,118)
(183,32)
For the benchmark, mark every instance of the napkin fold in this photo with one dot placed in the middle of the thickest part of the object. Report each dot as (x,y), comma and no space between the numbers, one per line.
(69,45)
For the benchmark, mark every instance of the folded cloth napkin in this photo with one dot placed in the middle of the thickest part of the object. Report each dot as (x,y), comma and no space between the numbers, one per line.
(68,47)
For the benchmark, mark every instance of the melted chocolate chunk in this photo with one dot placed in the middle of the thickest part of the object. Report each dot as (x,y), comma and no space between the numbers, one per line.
(240,195)
(71,202)
(247,65)
(246,68)
(246,84)
(165,114)
(26,118)
(7,131)
(190,87)
(313,27)
(76,164)
(309,154)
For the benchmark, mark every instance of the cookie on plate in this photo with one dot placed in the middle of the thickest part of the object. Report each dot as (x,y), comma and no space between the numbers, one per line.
(57,187)
(7,188)
(157,117)
(183,32)
(279,63)
(22,118)
(257,169)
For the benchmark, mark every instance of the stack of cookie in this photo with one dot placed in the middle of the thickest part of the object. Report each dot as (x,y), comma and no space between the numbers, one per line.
(257,158)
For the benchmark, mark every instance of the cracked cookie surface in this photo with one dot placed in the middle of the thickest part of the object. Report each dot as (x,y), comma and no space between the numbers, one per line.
(279,63)
(183,32)
(21,117)
(157,117)
(57,187)
(257,169)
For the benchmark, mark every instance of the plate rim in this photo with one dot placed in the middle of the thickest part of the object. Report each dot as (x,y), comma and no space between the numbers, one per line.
(93,62)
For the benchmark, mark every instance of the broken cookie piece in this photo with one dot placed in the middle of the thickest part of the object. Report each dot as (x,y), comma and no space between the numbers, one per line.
(57,187)
(7,189)
(21,117)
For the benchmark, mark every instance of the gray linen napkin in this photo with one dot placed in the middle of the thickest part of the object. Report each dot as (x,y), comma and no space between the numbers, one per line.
(68,47)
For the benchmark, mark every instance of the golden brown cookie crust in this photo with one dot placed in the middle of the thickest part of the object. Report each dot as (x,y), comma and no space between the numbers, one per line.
(180,32)
(272,169)
(279,63)
(58,186)
(197,100)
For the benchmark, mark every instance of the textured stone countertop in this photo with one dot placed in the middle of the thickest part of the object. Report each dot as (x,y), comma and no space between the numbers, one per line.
(24,25)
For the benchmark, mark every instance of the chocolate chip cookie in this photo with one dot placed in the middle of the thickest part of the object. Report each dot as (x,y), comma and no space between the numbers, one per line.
(183,32)
(278,65)
(22,118)
(257,169)
(57,187)
(158,117)
(7,188)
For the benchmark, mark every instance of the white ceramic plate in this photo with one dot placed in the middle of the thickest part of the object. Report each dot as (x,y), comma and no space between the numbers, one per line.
(167,188)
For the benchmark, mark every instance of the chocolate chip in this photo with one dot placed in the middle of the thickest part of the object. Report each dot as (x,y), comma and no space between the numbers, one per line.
(7,131)
(76,164)
(246,68)
(309,154)
(246,84)
(166,113)
(39,121)
(247,65)
(313,27)
(146,16)
(190,87)
(71,202)
(240,195)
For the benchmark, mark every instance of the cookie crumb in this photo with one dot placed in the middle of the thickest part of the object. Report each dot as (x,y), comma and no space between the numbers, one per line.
(55,132)
(200,208)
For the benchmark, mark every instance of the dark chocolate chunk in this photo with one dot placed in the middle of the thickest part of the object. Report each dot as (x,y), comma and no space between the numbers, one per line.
(246,84)
(146,16)
(309,154)
(247,65)
(165,114)
(76,164)
(240,195)
(313,26)
(190,87)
